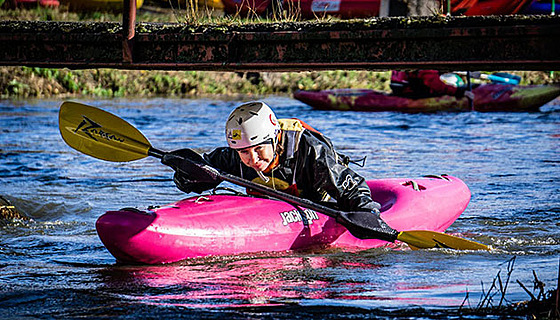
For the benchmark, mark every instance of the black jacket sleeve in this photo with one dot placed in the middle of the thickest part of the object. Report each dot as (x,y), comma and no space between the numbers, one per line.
(327,173)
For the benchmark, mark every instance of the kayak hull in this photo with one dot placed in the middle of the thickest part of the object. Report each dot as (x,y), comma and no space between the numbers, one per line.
(488,98)
(234,224)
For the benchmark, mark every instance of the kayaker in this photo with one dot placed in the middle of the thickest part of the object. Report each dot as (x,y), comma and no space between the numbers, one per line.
(285,154)
(420,84)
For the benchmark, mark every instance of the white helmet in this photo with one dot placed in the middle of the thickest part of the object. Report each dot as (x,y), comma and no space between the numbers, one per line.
(251,124)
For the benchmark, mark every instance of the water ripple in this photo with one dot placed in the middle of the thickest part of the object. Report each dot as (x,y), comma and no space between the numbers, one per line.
(54,265)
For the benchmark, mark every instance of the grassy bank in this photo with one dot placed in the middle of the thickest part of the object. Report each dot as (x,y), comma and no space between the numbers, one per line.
(24,82)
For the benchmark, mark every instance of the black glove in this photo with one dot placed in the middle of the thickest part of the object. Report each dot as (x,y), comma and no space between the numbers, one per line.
(187,185)
(464,92)
(367,225)
(460,92)
(192,172)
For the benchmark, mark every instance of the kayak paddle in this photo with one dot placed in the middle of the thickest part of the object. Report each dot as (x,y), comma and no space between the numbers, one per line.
(105,136)
(499,77)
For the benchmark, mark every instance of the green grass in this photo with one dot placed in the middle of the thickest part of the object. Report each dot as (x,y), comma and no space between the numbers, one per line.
(22,82)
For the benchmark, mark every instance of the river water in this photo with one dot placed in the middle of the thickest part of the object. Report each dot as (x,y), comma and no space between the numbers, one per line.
(55,266)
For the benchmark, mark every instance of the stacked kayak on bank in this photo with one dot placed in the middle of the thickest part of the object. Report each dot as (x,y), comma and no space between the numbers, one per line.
(186,4)
(34,3)
(488,7)
(348,9)
(80,5)
(542,7)
(95,5)
(487,98)
(308,9)
(227,224)
(501,7)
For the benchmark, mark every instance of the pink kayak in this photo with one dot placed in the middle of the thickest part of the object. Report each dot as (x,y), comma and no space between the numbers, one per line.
(487,98)
(229,224)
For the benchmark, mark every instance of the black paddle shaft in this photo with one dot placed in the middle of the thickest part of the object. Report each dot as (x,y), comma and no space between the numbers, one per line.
(361,224)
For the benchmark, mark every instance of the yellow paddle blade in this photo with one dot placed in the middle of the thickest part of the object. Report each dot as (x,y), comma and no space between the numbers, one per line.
(100,134)
(430,239)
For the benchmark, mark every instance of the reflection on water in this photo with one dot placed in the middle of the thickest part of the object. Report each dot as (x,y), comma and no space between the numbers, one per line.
(274,281)
(54,266)
(234,283)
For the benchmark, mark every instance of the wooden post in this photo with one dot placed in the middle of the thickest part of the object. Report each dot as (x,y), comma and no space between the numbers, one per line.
(129,24)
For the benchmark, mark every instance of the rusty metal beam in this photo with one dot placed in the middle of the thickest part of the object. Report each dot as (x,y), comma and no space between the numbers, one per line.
(445,43)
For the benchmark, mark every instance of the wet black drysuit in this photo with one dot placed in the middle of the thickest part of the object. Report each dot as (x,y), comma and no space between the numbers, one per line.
(309,166)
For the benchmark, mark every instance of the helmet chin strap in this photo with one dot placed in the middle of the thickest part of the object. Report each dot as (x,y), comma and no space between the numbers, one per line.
(262,176)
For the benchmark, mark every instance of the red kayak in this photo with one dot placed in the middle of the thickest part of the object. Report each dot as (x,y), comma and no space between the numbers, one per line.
(488,7)
(34,3)
(488,98)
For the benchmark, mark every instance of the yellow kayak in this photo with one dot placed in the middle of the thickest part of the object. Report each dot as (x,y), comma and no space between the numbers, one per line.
(216,4)
(199,4)
(93,5)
